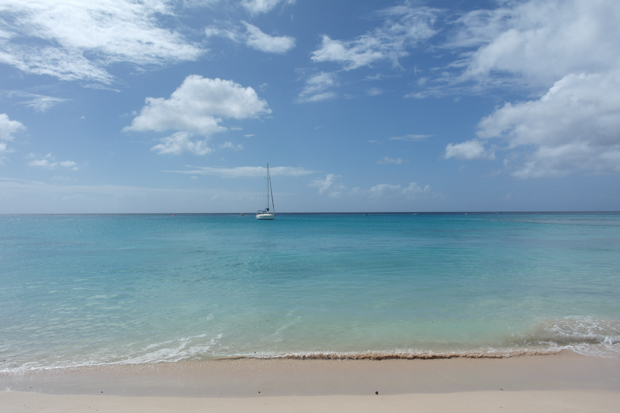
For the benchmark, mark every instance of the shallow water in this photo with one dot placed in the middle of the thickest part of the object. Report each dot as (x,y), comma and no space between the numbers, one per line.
(123,289)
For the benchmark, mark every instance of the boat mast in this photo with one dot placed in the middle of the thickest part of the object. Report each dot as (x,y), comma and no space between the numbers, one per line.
(267,205)
(273,206)
(269,190)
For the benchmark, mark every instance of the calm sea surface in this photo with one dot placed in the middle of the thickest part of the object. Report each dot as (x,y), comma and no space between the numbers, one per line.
(82,290)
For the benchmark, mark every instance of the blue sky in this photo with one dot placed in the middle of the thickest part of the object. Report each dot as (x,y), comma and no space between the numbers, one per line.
(177,106)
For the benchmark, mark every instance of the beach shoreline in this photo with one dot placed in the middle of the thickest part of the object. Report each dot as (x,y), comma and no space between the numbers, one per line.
(291,377)
(555,383)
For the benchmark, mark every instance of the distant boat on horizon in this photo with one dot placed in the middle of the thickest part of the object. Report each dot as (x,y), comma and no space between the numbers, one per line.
(267,214)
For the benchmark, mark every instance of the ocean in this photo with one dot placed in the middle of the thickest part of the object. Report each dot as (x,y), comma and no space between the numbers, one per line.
(97,290)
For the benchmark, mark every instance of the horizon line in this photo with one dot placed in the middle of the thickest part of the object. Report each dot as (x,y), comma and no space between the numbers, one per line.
(316,213)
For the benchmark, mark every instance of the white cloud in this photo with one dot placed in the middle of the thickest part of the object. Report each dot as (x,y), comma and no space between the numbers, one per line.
(40,103)
(384,190)
(9,127)
(48,162)
(253,37)
(263,6)
(540,41)
(473,149)
(330,185)
(246,171)
(410,137)
(317,88)
(180,142)
(230,145)
(333,188)
(197,107)
(374,91)
(415,189)
(575,126)
(404,27)
(387,191)
(69,164)
(77,40)
(386,161)
(43,103)
(568,51)
(271,44)
(352,54)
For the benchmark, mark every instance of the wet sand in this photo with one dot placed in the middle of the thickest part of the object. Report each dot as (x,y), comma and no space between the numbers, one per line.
(564,382)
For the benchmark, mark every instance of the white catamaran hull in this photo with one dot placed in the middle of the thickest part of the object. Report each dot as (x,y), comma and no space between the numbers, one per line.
(265,216)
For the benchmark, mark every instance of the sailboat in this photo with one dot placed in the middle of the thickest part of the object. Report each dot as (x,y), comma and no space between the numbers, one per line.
(268,213)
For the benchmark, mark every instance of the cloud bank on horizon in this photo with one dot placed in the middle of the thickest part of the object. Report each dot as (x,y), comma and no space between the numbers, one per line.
(228,82)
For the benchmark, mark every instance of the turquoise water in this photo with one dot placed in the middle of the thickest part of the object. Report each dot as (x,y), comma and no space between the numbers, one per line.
(81,290)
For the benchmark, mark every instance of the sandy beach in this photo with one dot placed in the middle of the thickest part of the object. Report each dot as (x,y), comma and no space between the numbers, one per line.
(564,382)
(485,401)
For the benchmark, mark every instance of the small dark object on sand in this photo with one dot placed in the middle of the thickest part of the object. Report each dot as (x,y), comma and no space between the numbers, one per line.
(376,392)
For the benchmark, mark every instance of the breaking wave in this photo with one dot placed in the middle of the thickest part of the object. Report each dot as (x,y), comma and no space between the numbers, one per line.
(583,335)
(403,355)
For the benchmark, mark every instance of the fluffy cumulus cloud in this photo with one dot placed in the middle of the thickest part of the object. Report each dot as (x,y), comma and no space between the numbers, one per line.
(8,129)
(197,107)
(77,40)
(262,6)
(48,162)
(538,42)
(404,27)
(570,49)
(575,126)
(180,142)
(247,171)
(255,38)
(318,87)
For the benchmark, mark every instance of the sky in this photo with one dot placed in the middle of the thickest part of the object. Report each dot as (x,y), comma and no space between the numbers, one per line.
(177,106)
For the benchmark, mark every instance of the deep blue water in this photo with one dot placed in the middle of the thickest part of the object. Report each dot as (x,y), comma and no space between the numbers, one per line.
(101,289)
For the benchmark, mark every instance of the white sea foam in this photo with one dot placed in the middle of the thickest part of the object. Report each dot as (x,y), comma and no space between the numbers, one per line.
(172,351)
(584,335)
